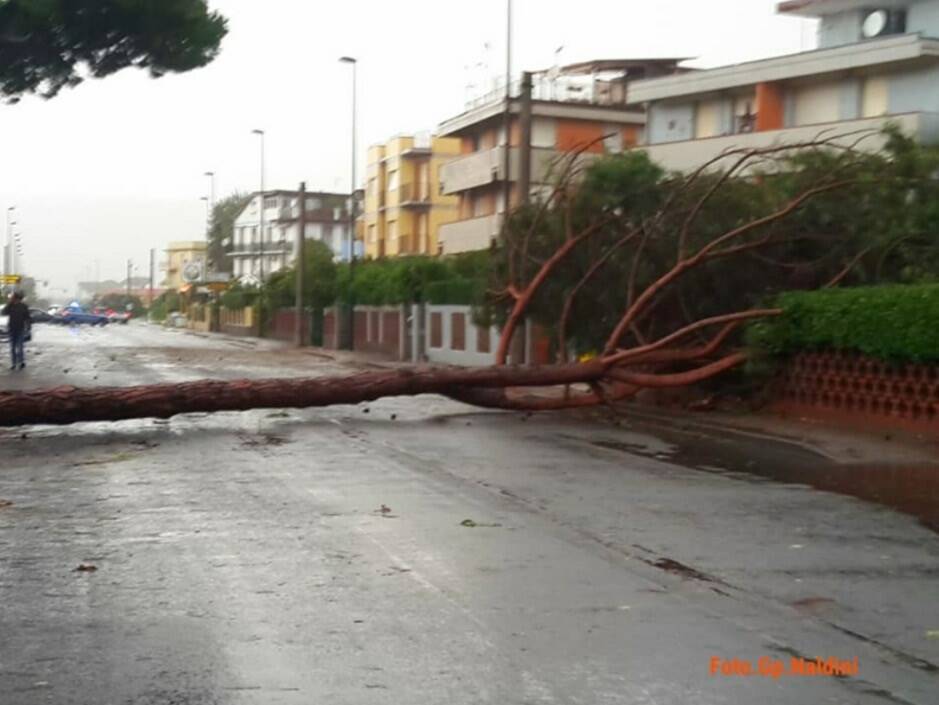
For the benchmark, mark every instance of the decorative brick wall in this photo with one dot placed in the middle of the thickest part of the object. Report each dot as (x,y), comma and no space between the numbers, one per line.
(861,389)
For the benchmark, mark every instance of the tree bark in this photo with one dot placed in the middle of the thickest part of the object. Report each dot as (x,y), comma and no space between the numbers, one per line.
(65,405)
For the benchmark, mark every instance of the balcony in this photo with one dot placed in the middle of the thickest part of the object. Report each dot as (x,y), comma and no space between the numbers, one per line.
(691,154)
(248,249)
(476,169)
(486,167)
(414,195)
(401,245)
(470,235)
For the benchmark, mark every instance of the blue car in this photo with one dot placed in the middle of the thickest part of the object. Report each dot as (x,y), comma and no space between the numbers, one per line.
(74,315)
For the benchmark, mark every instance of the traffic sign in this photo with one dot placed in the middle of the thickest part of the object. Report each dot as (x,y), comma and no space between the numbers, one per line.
(10,279)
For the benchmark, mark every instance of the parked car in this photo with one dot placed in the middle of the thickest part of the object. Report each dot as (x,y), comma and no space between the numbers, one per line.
(5,332)
(117,316)
(75,315)
(175,319)
(40,316)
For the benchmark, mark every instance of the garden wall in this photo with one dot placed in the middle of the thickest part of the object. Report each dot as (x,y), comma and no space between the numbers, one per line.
(860,390)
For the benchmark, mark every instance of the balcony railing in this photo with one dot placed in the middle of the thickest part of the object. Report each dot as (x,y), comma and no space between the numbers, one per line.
(476,169)
(270,248)
(414,194)
(687,155)
(470,235)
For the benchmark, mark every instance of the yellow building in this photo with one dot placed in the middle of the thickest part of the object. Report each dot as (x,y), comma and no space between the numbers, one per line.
(404,208)
(185,263)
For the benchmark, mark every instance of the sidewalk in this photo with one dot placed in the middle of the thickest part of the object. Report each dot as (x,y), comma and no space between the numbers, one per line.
(840,445)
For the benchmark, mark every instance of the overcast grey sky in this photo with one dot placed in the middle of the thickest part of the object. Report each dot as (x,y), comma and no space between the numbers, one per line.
(114,167)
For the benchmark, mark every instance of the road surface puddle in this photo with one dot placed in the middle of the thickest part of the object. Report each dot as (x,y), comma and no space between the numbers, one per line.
(912,488)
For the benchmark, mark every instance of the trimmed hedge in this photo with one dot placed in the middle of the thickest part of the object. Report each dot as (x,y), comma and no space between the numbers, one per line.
(896,323)
(458,291)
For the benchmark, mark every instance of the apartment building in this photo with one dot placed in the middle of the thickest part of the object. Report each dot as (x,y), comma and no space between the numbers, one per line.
(185,263)
(404,206)
(254,253)
(571,107)
(877,62)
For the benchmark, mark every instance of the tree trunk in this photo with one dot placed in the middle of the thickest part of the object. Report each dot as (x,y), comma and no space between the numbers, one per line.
(65,405)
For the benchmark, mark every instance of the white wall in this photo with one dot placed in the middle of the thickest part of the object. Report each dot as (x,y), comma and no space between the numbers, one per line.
(445,354)
(838,29)
(923,17)
(914,91)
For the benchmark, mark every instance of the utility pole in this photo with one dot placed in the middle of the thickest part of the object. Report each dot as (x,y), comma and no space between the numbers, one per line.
(129,267)
(507,119)
(524,151)
(350,325)
(300,267)
(209,213)
(152,267)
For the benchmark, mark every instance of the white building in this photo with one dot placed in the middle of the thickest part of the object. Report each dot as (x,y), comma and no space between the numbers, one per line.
(877,62)
(327,220)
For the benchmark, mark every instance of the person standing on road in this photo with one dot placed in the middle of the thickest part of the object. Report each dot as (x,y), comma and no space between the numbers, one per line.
(18,325)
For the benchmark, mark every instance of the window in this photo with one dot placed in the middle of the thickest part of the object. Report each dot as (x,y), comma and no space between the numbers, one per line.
(613,141)
(270,201)
(393,180)
(744,116)
(393,230)
(543,133)
(875,99)
(313,204)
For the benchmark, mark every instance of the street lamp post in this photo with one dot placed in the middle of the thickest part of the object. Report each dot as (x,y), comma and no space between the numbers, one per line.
(351,61)
(507,118)
(211,176)
(8,249)
(260,133)
(17,253)
(208,213)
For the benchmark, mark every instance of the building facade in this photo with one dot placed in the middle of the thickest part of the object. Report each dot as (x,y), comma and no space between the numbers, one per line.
(876,63)
(579,107)
(255,255)
(404,206)
(183,259)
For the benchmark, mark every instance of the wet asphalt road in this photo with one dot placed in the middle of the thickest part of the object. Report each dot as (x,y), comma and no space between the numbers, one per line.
(424,552)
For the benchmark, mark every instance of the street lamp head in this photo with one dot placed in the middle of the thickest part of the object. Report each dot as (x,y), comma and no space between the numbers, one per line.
(257,132)
(347,60)
(210,173)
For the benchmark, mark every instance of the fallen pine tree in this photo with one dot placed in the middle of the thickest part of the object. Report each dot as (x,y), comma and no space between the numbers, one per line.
(618,234)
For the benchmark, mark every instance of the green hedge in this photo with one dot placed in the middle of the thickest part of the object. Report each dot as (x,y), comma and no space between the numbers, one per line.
(896,323)
(458,291)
